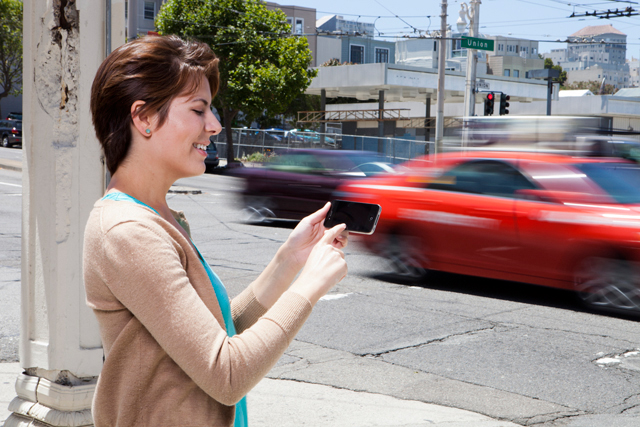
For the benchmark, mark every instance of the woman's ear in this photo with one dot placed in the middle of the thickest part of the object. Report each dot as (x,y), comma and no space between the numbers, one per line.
(141,121)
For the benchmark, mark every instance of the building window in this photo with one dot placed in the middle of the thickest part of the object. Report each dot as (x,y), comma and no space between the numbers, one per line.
(507,73)
(298,28)
(516,73)
(149,10)
(357,54)
(382,55)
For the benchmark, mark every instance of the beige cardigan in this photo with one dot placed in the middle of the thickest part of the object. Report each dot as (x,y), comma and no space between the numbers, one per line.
(169,361)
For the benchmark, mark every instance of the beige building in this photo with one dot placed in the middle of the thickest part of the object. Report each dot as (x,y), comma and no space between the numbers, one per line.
(513,57)
(303,22)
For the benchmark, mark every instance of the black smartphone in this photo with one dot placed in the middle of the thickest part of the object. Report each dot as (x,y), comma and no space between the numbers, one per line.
(359,217)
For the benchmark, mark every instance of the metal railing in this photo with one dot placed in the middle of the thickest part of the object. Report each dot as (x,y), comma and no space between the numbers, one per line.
(391,114)
(249,141)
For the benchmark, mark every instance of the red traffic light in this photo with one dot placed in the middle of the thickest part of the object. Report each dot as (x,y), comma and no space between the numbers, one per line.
(490,96)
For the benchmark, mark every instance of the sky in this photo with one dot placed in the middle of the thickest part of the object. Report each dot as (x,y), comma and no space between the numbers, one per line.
(543,20)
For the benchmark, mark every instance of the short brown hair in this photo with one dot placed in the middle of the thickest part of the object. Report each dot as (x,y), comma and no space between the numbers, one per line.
(153,69)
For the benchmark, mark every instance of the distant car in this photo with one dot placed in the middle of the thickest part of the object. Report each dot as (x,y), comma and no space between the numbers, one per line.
(212,161)
(275,134)
(609,146)
(311,136)
(299,182)
(11,132)
(551,220)
(14,116)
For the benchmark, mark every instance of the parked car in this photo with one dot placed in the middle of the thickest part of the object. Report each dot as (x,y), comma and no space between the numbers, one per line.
(212,161)
(550,220)
(11,132)
(299,182)
(14,116)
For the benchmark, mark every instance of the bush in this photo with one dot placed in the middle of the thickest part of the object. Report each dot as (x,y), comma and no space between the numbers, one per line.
(258,157)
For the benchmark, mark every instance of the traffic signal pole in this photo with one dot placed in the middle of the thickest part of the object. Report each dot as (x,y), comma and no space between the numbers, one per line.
(442,53)
(472,58)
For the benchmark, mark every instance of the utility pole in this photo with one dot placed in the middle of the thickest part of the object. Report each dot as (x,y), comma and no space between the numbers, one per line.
(442,53)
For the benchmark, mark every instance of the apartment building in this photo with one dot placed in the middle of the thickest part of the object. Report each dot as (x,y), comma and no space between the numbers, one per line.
(513,57)
(595,53)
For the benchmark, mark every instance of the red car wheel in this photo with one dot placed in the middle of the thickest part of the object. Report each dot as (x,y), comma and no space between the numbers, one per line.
(608,284)
(405,256)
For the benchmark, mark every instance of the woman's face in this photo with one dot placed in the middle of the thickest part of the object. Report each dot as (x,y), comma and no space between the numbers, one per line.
(184,136)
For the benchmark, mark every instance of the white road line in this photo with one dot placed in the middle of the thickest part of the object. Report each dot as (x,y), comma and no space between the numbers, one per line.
(11,185)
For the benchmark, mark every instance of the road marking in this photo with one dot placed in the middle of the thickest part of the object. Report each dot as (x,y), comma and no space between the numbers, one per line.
(334,296)
(11,185)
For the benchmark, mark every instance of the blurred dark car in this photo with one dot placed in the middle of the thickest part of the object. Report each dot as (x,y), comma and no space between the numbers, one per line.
(14,116)
(551,220)
(275,134)
(309,136)
(299,182)
(610,146)
(11,132)
(212,161)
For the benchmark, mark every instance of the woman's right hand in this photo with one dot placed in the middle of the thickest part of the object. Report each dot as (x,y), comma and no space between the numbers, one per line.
(324,268)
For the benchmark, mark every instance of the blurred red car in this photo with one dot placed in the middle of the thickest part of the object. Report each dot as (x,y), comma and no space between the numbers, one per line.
(550,220)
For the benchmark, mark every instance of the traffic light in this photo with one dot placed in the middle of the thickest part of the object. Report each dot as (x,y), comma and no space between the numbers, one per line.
(488,104)
(504,104)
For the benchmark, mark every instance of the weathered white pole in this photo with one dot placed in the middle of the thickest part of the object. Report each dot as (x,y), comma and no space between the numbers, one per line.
(60,348)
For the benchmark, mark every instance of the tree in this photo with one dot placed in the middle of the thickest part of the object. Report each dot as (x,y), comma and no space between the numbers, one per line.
(263,67)
(548,63)
(10,48)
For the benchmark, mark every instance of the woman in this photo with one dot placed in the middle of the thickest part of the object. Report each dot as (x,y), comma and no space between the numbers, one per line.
(178,352)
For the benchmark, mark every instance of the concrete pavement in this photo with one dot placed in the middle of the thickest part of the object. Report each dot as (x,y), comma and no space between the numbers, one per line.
(293,404)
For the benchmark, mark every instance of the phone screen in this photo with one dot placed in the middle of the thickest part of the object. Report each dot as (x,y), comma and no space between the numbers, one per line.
(359,217)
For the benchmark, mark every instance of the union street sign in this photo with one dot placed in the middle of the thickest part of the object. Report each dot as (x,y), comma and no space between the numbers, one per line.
(476,43)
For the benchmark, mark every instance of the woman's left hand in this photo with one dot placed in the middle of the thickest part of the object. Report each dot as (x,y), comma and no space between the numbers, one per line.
(307,233)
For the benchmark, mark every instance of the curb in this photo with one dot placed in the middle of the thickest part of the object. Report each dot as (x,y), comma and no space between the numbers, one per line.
(12,165)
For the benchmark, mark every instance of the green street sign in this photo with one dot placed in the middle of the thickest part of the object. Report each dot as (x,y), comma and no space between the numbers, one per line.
(476,43)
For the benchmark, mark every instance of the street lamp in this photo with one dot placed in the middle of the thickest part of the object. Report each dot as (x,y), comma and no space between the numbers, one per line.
(472,13)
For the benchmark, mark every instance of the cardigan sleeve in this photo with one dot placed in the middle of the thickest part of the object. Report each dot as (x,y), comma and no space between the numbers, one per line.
(246,310)
(143,268)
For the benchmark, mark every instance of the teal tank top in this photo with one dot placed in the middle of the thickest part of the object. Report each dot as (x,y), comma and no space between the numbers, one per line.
(241,419)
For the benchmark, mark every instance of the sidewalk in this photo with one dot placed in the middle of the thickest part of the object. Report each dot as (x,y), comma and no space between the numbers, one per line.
(293,404)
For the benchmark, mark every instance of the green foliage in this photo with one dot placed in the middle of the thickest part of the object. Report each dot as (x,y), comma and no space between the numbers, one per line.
(263,67)
(593,86)
(548,63)
(335,62)
(10,48)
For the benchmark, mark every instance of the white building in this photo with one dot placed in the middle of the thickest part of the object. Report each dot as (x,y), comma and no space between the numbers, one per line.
(596,53)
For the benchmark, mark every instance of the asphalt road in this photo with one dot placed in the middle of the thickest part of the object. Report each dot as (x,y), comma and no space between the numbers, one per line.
(516,352)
